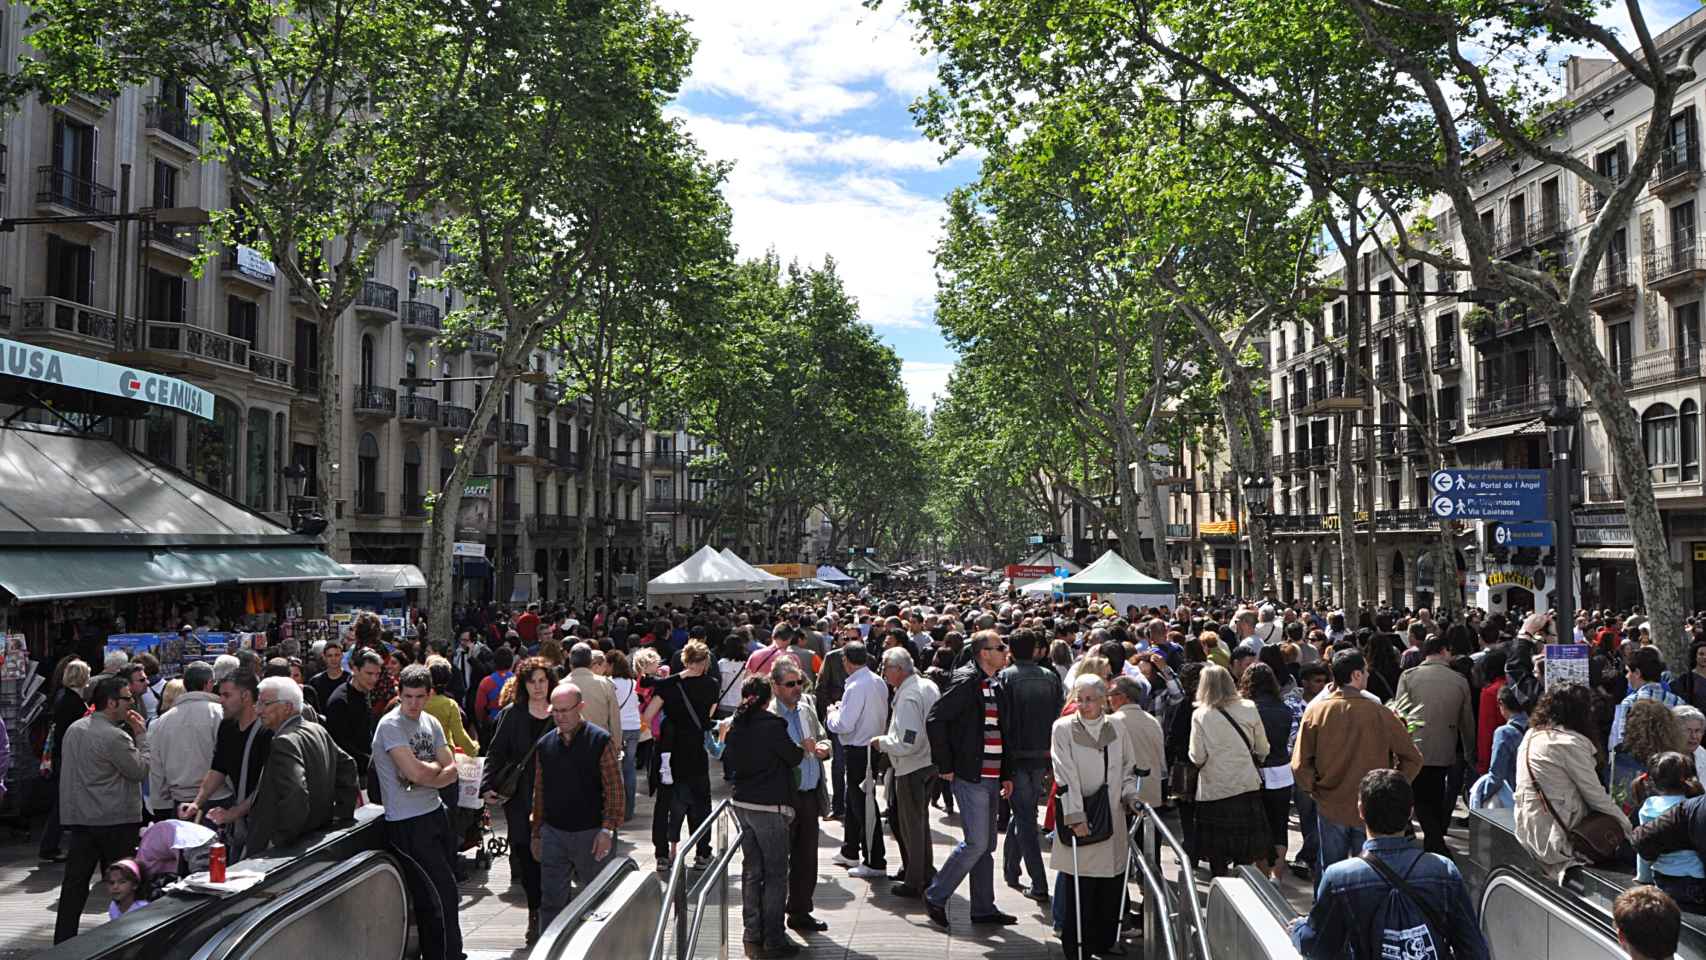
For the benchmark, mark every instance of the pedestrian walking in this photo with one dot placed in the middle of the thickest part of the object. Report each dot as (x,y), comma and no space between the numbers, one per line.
(1444,707)
(1097,787)
(861,715)
(510,764)
(1032,699)
(761,757)
(577,801)
(101,770)
(1228,747)
(907,747)
(794,705)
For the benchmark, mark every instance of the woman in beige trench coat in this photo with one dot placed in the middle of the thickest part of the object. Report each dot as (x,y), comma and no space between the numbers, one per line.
(1082,747)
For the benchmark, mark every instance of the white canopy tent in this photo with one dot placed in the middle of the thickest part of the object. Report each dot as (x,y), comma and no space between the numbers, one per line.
(1046,557)
(705,572)
(769,580)
(378,578)
(1047,586)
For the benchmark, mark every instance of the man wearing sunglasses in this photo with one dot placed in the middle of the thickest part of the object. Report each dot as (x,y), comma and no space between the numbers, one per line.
(794,705)
(967,733)
(100,793)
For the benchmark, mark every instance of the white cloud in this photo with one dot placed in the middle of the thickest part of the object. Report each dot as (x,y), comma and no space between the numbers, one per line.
(925,381)
(805,59)
(811,195)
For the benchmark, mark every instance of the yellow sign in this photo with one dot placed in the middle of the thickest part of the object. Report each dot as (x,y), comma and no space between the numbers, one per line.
(1699,552)
(790,571)
(1513,578)
(1218,528)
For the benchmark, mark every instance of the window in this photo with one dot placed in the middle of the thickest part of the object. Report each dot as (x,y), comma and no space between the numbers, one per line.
(1682,226)
(257,487)
(165,187)
(411,479)
(1679,141)
(303,455)
(73,159)
(243,320)
(70,270)
(1687,337)
(1620,349)
(367,471)
(414,284)
(1617,256)
(1690,440)
(1612,164)
(167,296)
(307,344)
(367,371)
(1659,442)
(1388,299)
(410,368)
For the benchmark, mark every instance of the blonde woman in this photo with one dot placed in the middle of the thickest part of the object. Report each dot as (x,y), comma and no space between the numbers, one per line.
(1227,745)
(169,695)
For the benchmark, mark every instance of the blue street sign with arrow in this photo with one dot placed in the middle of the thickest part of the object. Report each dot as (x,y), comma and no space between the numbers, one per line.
(1519,535)
(1488,494)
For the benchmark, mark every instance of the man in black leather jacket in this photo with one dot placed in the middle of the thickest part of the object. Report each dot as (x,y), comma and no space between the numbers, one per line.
(1031,701)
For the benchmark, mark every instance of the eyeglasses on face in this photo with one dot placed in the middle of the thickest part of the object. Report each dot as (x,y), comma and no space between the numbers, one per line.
(791,683)
(998,648)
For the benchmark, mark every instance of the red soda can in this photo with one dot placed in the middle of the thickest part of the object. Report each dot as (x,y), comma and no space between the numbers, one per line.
(216,863)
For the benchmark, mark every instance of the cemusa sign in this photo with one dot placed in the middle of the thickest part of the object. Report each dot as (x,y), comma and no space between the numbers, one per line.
(97,376)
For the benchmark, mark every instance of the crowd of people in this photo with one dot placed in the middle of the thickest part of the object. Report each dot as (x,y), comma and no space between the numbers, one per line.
(1039,722)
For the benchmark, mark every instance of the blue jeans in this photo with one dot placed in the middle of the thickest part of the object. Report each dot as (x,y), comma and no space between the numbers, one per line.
(1023,844)
(630,749)
(975,855)
(1306,821)
(1336,842)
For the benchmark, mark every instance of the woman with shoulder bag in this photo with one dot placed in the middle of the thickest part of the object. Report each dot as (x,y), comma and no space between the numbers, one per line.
(762,760)
(509,772)
(1228,744)
(1096,786)
(1564,815)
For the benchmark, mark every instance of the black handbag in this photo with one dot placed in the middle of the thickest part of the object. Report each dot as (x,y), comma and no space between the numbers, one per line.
(1098,814)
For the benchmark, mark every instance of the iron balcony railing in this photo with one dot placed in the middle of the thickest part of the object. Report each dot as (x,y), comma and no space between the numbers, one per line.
(64,188)
(308,382)
(417,408)
(1676,262)
(1546,224)
(485,344)
(377,296)
(1445,356)
(455,419)
(1683,363)
(270,368)
(1516,400)
(192,341)
(53,314)
(376,401)
(171,119)
(420,315)
(1675,161)
(1611,281)
(1414,365)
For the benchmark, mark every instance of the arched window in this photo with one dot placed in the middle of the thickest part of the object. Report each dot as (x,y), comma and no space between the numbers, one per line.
(258,483)
(1690,440)
(367,360)
(1659,442)
(414,505)
(410,366)
(446,463)
(414,283)
(367,475)
(447,390)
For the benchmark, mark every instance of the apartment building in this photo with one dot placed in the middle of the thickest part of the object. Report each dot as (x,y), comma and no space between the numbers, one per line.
(1490,373)
(240,332)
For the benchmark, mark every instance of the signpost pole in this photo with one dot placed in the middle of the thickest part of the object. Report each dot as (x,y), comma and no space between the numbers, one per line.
(1563,547)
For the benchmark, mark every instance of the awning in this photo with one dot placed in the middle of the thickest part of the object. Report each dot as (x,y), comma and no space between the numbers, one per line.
(61,574)
(1531,428)
(379,578)
(1606,553)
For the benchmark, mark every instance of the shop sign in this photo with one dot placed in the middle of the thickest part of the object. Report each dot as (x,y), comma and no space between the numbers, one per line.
(462,548)
(98,376)
(1700,552)
(1023,571)
(1218,528)
(1535,581)
(1605,536)
(250,261)
(478,488)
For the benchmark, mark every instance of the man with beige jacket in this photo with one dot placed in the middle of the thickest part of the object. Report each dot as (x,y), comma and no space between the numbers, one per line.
(1440,701)
(598,696)
(1344,735)
(1145,743)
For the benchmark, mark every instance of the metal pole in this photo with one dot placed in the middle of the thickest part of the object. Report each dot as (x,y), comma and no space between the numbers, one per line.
(120,288)
(1151,904)
(723,892)
(1563,546)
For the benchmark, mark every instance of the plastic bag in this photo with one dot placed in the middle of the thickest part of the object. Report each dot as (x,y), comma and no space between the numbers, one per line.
(468,773)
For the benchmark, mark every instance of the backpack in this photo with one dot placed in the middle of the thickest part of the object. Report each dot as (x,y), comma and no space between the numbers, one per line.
(1403,926)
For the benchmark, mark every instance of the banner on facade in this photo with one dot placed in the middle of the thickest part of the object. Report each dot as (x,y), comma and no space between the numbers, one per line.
(30,362)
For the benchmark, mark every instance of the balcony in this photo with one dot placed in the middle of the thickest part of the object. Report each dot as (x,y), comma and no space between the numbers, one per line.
(628,528)
(1678,170)
(421,244)
(1299,401)
(1604,488)
(1613,291)
(376,402)
(1446,283)
(181,345)
(1446,358)
(54,318)
(547,394)
(416,409)
(546,454)
(1413,445)
(1509,239)
(68,191)
(1321,456)
(1317,393)
(421,317)
(376,301)
(175,122)
(1415,365)
(551,523)
(246,266)
(1386,373)
(514,434)
(485,345)
(308,382)
(1386,443)
(1663,368)
(1445,431)
(175,241)
(455,420)
(1677,268)
(1516,402)
(623,473)
(274,370)
(1546,226)
(414,505)
(369,503)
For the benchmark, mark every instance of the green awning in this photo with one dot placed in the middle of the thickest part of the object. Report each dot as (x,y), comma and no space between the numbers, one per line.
(264,564)
(35,574)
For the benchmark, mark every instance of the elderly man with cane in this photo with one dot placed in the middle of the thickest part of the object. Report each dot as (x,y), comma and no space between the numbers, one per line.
(1096,787)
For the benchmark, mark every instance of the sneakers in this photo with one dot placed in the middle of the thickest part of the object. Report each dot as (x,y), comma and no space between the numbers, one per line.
(868,873)
(843,860)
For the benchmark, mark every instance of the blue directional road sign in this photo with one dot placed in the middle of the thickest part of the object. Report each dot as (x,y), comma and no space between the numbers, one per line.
(1489,494)
(1519,535)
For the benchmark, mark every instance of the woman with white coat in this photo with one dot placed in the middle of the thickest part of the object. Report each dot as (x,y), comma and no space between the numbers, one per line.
(1087,753)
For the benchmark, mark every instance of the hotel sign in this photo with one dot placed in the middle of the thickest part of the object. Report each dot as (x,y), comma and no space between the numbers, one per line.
(30,362)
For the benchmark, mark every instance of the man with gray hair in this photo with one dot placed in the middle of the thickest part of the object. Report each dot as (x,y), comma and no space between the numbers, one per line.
(598,694)
(577,800)
(308,781)
(910,768)
(797,709)
(223,666)
(180,745)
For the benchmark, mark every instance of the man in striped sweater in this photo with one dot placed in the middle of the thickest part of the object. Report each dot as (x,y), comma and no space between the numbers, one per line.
(966,738)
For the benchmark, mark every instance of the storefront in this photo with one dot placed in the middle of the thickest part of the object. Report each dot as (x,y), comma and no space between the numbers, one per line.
(1605,555)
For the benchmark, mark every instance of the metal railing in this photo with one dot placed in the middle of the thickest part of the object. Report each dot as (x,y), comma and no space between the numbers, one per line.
(1191,930)
(1675,161)
(456,419)
(377,296)
(372,400)
(67,189)
(677,892)
(1676,262)
(270,368)
(1158,925)
(420,315)
(190,340)
(171,119)
(66,316)
(413,406)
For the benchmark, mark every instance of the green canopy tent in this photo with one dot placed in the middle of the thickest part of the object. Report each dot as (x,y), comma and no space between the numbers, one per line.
(1121,583)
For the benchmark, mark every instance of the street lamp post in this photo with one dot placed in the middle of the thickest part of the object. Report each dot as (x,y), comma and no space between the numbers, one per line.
(1561,422)
(609,555)
(1258,499)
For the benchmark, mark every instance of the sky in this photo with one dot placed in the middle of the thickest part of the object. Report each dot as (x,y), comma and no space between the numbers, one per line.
(809,100)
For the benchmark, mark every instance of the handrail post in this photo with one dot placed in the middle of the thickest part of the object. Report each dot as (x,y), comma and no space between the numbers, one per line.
(723,891)
(681,912)
(1151,923)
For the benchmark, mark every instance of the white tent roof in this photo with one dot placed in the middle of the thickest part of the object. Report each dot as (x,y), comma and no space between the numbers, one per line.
(1041,588)
(833,575)
(1046,557)
(704,572)
(753,573)
(378,578)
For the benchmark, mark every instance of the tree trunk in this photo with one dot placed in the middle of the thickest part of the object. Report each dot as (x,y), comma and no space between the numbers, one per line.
(328,434)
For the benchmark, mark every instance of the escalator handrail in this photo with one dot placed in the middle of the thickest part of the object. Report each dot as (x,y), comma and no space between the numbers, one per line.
(570,918)
(1267,892)
(678,869)
(718,868)
(1577,910)
(1153,887)
(1187,879)
(324,886)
